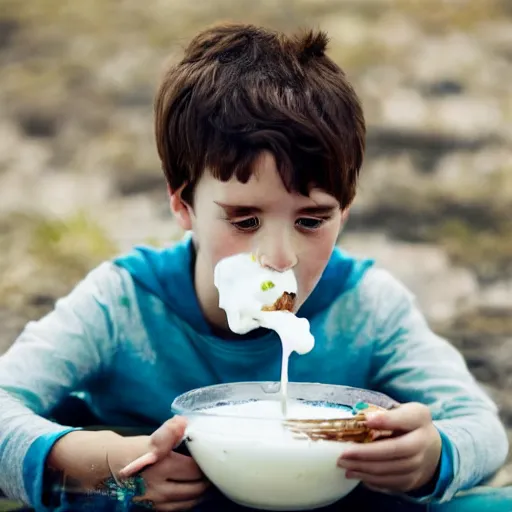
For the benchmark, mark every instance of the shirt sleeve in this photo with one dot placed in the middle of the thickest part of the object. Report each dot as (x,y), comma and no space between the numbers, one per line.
(413,364)
(51,358)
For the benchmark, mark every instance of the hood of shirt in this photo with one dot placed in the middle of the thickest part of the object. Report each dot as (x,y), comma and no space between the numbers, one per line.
(168,274)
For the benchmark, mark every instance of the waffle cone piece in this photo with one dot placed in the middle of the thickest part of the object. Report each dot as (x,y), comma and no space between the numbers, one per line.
(344,430)
(283,303)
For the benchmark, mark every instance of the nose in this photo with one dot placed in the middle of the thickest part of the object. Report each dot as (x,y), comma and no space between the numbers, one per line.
(277,253)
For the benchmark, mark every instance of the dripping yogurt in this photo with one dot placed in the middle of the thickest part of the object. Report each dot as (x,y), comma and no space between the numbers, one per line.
(249,292)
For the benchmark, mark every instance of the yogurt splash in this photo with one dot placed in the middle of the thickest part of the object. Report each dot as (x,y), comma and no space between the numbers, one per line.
(246,293)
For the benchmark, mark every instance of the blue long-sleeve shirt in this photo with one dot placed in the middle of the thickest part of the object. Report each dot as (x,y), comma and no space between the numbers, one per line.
(132,337)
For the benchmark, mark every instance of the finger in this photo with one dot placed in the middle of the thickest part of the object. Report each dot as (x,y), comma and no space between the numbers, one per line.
(168,436)
(385,468)
(138,465)
(175,467)
(377,489)
(401,483)
(405,418)
(402,447)
(184,469)
(168,492)
(162,442)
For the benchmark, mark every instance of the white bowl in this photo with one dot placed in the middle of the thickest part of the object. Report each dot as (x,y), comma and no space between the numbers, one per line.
(253,460)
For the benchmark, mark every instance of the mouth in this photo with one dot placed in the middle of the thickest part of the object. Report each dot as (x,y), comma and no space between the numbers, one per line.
(286,302)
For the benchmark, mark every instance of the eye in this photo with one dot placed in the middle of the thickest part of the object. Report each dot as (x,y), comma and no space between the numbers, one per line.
(309,223)
(250,224)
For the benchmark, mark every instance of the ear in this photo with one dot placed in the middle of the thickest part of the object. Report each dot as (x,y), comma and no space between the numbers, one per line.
(181,210)
(344,214)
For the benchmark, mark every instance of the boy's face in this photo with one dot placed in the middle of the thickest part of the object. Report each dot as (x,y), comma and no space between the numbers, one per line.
(284,230)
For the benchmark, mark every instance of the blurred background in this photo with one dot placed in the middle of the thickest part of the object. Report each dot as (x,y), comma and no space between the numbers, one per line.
(80,180)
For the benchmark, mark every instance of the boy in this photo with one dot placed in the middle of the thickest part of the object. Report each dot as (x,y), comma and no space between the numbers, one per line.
(261,139)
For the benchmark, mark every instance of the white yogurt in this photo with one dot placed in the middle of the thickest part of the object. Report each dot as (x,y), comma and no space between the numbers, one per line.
(245,287)
(248,454)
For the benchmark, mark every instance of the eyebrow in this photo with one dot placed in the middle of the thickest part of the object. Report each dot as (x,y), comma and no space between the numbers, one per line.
(237,209)
(242,210)
(319,210)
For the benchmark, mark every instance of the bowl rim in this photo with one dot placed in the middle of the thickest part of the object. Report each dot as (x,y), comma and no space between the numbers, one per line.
(274,386)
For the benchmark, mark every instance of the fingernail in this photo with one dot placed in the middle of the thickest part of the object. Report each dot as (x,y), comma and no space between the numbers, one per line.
(349,475)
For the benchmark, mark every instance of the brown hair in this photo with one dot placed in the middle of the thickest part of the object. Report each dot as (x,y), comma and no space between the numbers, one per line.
(240,90)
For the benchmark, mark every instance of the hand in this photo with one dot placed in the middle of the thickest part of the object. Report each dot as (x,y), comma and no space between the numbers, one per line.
(171,481)
(402,463)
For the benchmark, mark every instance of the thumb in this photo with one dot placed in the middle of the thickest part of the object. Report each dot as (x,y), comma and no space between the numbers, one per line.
(405,418)
(162,441)
(168,436)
